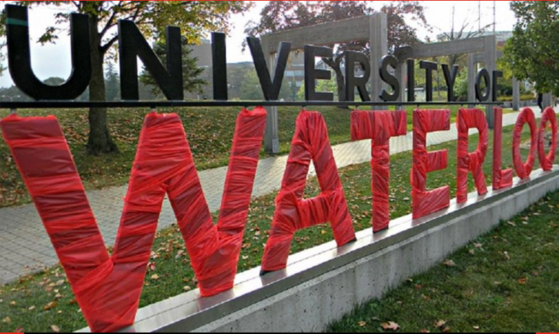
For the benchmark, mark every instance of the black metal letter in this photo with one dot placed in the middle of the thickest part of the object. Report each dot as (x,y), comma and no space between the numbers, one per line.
(450,78)
(389,78)
(496,76)
(411,80)
(219,66)
(482,74)
(429,67)
(360,82)
(312,74)
(131,44)
(19,57)
(271,89)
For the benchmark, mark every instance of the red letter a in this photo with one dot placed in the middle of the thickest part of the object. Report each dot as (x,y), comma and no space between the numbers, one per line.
(310,142)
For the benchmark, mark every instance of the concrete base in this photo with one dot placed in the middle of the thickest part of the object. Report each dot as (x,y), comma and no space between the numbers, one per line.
(322,284)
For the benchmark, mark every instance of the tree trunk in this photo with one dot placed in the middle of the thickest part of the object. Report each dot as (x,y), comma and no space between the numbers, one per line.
(100,140)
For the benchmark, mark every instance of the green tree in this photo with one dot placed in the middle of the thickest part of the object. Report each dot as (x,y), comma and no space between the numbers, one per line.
(236,74)
(193,17)
(13,93)
(250,86)
(532,53)
(284,15)
(190,70)
(54,81)
(112,83)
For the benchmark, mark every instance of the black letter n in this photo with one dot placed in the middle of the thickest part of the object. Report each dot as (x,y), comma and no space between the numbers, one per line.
(132,45)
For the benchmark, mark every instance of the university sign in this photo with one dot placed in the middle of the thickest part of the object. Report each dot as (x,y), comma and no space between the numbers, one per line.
(108,287)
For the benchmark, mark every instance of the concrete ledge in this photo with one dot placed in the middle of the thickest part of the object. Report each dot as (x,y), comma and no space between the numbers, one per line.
(323,283)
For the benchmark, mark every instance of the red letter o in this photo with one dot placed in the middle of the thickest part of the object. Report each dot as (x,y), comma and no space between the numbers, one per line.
(546,162)
(523,169)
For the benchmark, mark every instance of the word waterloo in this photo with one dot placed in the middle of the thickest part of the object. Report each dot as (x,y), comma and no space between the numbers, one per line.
(108,288)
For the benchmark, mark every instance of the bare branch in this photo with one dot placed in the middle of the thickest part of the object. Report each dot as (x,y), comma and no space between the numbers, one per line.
(110,21)
(77,4)
(108,45)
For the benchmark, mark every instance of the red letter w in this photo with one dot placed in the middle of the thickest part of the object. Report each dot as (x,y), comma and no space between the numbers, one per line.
(108,288)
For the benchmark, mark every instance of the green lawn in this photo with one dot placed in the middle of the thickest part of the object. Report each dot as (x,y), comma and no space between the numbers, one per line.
(209,131)
(505,281)
(172,267)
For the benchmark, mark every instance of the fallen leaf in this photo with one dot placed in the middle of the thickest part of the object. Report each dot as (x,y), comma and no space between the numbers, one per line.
(472,252)
(507,256)
(12,303)
(440,324)
(511,223)
(179,254)
(522,281)
(425,331)
(154,277)
(55,328)
(476,245)
(390,326)
(50,306)
(449,263)
(7,320)
(418,287)
(362,323)
(446,330)
(187,288)
(476,328)
(31,308)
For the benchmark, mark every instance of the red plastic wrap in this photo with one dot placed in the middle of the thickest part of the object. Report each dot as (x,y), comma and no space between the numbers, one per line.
(501,178)
(470,118)
(379,126)
(108,288)
(523,169)
(425,202)
(546,161)
(310,142)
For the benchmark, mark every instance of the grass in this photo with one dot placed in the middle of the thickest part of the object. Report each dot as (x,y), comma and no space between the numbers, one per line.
(31,294)
(209,131)
(505,281)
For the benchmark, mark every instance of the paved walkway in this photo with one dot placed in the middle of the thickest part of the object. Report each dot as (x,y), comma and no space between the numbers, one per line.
(25,246)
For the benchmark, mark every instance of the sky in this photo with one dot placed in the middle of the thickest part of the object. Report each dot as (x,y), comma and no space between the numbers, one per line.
(54,59)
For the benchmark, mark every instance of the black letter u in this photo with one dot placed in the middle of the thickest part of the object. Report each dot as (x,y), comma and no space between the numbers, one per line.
(19,57)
